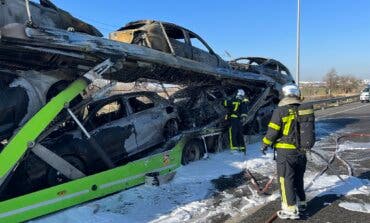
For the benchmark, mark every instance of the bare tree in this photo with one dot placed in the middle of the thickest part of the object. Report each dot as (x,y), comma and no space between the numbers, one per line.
(349,83)
(331,80)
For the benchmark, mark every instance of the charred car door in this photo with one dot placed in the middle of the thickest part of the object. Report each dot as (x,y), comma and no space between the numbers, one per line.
(110,125)
(179,40)
(147,119)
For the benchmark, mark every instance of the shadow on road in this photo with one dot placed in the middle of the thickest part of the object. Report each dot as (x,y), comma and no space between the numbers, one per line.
(365,175)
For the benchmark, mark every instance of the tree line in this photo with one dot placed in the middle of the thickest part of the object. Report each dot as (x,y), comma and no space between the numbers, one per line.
(341,84)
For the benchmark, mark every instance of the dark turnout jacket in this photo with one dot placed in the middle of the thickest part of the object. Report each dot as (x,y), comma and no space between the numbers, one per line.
(236,108)
(283,129)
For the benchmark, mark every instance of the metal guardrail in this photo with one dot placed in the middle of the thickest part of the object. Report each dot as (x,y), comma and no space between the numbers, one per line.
(333,102)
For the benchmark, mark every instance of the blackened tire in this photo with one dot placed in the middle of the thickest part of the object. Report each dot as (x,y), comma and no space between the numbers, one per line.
(212,143)
(171,129)
(54,177)
(255,130)
(223,142)
(193,151)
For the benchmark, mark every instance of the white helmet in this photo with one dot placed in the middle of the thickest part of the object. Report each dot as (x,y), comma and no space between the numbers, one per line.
(240,93)
(291,90)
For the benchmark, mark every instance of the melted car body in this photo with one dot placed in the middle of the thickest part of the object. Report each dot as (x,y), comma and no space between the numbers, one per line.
(45,14)
(264,66)
(170,38)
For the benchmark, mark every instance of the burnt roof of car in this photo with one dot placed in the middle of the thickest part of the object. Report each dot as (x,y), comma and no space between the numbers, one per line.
(129,94)
(259,60)
(172,28)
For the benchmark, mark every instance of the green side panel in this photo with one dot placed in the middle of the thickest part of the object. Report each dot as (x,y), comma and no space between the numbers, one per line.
(91,187)
(17,146)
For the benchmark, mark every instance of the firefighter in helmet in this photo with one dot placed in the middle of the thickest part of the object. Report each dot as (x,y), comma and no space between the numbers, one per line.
(291,132)
(237,112)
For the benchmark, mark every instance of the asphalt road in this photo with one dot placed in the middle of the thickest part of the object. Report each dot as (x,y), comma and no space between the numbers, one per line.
(332,122)
(350,117)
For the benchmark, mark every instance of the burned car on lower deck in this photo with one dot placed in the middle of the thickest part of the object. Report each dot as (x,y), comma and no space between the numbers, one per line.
(23,93)
(169,38)
(265,66)
(123,125)
(198,106)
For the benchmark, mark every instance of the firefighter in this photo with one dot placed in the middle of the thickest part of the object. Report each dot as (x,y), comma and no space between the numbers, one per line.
(237,111)
(291,132)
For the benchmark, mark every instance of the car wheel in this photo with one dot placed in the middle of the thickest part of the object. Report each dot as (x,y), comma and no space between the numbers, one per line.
(192,151)
(171,129)
(54,177)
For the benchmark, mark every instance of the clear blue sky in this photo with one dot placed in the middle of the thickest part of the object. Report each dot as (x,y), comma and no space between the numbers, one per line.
(334,33)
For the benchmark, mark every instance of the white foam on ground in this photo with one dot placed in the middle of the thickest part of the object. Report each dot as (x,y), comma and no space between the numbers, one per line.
(331,184)
(348,146)
(185,196)
(359,207)
(188,196)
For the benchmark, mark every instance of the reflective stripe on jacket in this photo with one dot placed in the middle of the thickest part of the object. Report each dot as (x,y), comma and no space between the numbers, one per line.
(236,108)
(282,130)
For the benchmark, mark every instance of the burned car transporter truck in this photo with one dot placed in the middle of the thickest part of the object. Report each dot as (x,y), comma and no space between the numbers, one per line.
(83,187)
(46,70)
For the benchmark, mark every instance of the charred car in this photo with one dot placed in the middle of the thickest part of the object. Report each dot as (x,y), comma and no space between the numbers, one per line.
(45,14)
(123,125)
(199,106)
(202,113)
(169,38)
(264,66)
(23,93)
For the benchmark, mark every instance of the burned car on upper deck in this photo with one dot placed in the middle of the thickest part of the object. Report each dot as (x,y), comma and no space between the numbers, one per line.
(270,67)
(169,38)
(45,14)
(123,125)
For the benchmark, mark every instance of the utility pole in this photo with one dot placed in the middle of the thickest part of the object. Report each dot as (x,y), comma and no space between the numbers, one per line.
(298,41)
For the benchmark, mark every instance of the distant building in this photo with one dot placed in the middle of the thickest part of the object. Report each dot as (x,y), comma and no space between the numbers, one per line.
(312,83)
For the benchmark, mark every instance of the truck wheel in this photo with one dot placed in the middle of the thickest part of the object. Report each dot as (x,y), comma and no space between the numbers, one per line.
(54,177)
(192,151)
(171,129)
(255,129)
(212,143)
(223,142)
